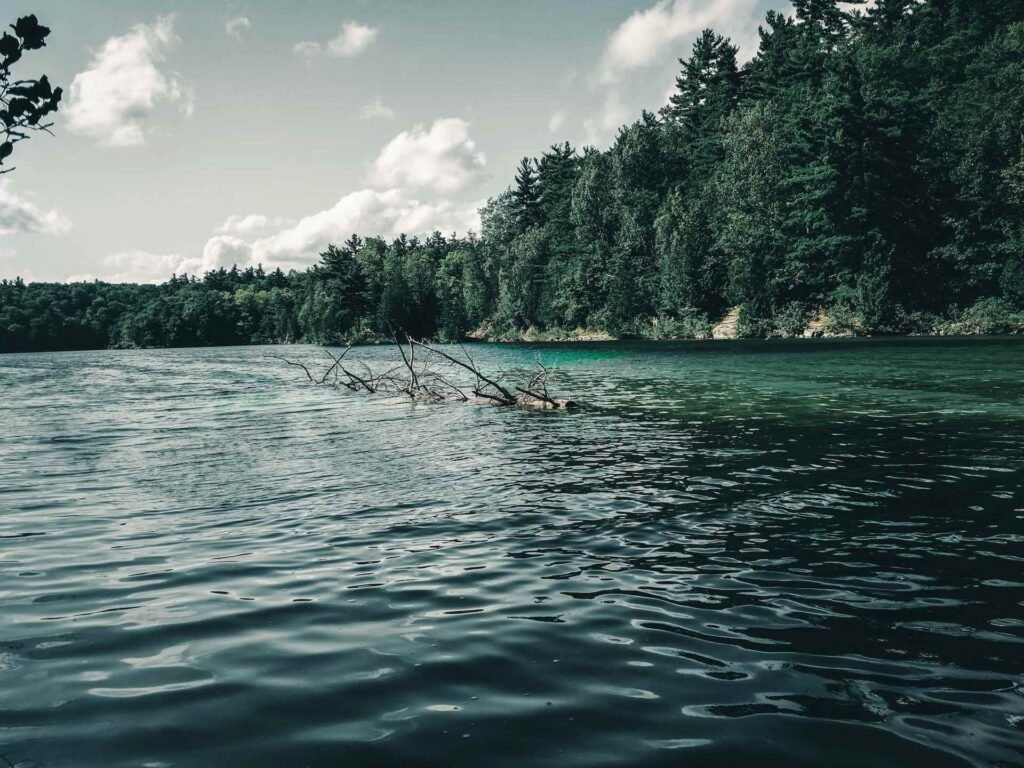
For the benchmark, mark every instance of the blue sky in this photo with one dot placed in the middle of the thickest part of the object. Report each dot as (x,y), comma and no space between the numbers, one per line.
(200,134)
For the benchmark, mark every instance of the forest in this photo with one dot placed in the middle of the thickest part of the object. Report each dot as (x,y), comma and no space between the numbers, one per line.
(863,171)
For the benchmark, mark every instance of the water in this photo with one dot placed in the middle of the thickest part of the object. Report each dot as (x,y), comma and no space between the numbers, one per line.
(773,554)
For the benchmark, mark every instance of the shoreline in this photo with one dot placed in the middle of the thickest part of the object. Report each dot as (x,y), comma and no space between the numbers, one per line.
(752,341)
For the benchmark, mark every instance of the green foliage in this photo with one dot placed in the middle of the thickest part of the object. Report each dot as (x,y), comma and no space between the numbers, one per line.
(791,320)
(526,196)
(866,165)
(987,317)
(687,323)
(24,104)
(518,281)
(754,324)
(841,316)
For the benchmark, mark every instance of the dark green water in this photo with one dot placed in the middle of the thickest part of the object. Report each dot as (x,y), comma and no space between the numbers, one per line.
(771,554)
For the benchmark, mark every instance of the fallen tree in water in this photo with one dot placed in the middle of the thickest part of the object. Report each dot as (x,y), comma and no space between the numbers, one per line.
(430,374)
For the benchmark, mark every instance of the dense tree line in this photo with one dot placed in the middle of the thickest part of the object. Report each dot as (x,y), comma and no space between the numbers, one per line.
(865,167)
(361,291)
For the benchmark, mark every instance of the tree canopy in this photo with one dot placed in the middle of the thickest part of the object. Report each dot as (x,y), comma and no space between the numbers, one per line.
(865,169)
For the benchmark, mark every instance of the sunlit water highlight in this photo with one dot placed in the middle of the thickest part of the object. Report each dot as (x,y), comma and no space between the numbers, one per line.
(772,554)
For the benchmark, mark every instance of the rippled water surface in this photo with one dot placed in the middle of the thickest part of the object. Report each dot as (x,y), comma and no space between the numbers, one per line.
(792,554)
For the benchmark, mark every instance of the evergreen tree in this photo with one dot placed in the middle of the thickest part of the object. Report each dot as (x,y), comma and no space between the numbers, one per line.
(556,176)
(868,164)
(707,91)
(708,86)
(527,195)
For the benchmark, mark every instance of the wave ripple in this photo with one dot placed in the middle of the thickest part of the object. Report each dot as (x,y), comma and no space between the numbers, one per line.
(793,555)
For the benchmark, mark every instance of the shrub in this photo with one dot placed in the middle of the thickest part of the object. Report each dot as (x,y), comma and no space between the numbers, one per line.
(752,326)
(791,320)
(988,316)
(691,324)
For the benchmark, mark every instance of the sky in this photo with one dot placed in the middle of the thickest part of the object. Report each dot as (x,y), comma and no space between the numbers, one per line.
(197,134)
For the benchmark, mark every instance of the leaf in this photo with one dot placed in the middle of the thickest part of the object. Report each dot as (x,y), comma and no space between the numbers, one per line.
(5,150)
(10,48)
(31,32)
(18,107)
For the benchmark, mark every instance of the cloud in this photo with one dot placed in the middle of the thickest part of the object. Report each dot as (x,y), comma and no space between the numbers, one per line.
(656,36)
(556,121)
(244,223)
(113,99)
(613,116)
(135,267)
(413,175)
(237,26)
(645,37)
(21,216)
(386,213)
(443,159)
(223,251)
(377,109)
(248,224)
(140,266)
(415,171)
(369,212)
(306,51)
(353,40)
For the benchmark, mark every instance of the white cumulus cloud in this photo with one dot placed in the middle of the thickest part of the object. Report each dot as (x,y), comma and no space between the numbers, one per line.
(353,40)
(247,224)
(113,100)
(140,266)
(21,216)
(414,177)
(442,159)
(223,251)
(646,36)
(237,26)
(244,223)
(137,266)
(387,213)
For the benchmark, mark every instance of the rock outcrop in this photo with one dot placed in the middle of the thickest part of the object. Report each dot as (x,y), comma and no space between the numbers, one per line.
(727,328)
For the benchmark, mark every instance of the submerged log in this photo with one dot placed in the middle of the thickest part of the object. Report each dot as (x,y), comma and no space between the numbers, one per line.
(433,378)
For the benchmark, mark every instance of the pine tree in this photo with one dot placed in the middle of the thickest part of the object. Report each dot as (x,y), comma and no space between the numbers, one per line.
(708,86)
(707,91)
(771,73)
(556,175)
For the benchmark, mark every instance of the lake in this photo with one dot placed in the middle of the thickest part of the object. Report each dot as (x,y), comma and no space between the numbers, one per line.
(781,554)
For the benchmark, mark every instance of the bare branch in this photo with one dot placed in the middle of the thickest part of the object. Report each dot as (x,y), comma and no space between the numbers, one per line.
(426,381)
(471,368)
(294,363)
(337,362)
